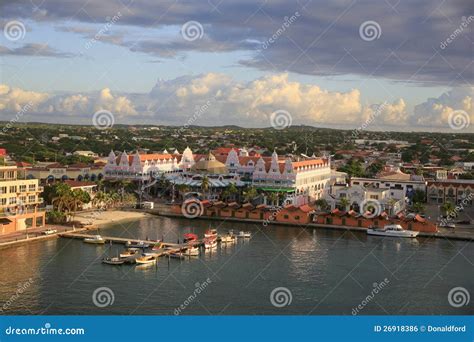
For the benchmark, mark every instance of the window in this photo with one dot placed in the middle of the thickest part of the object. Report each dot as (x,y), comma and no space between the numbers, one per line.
(31,187)
(22,188)
(3,201)
(31,199)
(12,188)
(376,197)
(297,217)
(285,216)
(12,200)
(3,190)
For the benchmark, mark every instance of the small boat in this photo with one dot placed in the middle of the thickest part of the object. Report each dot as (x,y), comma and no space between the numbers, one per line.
(210,233)
(155,255)
(146,259)
(128,253)
(157,247)
(189,237)
(243,234)
(227,238)
(191,251)
(95,239)
(210,243)
(139,244)
(393,230)
(113,261)
(177,255)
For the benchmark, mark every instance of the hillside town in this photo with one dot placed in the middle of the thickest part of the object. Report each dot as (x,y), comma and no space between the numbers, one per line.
(425,182)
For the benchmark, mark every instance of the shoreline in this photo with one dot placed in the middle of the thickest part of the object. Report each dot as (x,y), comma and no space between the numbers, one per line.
(439,235)
(92,220)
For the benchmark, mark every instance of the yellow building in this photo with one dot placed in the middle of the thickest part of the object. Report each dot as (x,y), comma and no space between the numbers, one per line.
(19,201)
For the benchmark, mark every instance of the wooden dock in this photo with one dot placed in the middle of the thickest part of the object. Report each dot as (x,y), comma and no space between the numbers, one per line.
(167,247)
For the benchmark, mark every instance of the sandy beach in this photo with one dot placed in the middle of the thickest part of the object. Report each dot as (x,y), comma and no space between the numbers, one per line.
(101,218)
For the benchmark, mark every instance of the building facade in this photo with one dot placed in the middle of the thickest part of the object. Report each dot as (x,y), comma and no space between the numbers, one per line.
(19,202)
(455,191)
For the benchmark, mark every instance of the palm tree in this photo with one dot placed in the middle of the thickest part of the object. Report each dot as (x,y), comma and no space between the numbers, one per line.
(99,199)
(322,204)
(344,203)
(273,198)
(205,184)
(250,194)
(448,208)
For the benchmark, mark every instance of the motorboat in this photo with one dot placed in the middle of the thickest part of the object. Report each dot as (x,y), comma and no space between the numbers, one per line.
(210,243)
(210,233)
(189,237)
(129,252)
(113,261)
(191,251)
(97,239)
(243,234)
(176,255)
(227,238)
(393,230)
(138,244)
(146,259)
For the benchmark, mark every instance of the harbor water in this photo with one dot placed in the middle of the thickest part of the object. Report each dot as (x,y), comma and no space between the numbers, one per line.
(281,270)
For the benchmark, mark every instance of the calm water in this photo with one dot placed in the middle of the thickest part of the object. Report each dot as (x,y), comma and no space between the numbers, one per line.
(327,272)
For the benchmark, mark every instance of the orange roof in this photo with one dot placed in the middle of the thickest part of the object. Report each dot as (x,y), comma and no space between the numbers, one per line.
(308,162)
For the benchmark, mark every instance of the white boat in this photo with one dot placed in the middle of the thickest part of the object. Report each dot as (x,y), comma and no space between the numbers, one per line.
(95,239)
(227,239)
(128,253)
(210,233)
(394,230)
(243,234)
(146,259)
(210,243)
(191,251)
(139,244)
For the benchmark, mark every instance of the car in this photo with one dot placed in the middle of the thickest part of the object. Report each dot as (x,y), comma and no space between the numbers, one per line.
(447,225)
(49,231)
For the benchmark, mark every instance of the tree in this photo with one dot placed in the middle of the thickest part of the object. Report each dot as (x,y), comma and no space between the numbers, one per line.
(448,208)
(273,198)
(250,194)
(419,196)
(344,203)
(418,207)
(322,204)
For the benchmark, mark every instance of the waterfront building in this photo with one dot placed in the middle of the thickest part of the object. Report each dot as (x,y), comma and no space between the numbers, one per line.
(391,201)
(89,187)
(456,191)
(19,201)
(56,172)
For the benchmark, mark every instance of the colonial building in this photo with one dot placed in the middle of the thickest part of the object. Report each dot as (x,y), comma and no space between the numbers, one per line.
(54,172)
(145,166)
(19,202)
(455,191)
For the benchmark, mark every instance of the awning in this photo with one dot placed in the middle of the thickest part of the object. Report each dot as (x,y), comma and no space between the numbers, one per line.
(277,189)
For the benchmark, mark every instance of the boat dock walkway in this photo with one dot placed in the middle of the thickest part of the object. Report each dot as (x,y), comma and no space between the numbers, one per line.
(168,248)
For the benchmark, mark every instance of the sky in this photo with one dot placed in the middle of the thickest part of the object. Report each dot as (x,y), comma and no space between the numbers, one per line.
(376,65)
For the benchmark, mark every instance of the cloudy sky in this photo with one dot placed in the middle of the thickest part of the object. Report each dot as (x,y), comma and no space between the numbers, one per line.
(393,65)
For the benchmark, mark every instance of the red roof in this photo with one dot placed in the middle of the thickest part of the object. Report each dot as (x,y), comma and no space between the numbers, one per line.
(78,184)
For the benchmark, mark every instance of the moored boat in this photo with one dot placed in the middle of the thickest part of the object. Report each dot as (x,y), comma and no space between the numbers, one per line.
(227,238)
(113,261)
(210,233)
(393,230)
(191,251)
(243,234)
(210,243)
(146,259)
(138,244)
(97,239)
(189,237)
(128,253)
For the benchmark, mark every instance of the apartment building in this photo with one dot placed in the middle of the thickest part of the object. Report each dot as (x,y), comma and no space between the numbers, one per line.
(19,201)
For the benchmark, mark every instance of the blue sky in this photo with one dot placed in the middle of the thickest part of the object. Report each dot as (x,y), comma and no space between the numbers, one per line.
(72,51)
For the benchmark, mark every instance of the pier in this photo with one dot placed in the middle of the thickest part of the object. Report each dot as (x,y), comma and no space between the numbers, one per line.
(168,248)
